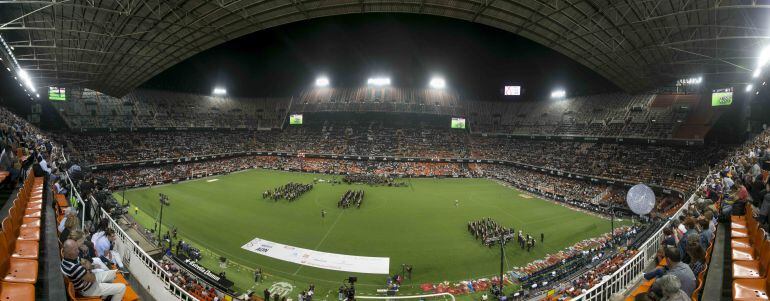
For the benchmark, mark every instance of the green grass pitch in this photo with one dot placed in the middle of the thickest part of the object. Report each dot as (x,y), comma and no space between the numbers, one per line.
(418,225)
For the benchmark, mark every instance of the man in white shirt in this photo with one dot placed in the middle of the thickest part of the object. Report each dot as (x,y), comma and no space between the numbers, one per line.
(44,165)
(59,188)
(102,244)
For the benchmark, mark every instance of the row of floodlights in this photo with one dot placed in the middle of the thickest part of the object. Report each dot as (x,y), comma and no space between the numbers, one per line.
(21,75)
(323,81)
(382,81)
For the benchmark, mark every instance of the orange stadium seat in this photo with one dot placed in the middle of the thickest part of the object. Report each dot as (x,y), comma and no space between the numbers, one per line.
(130,294)
(750,289)
(74,296)
(16,269)
(749,252)
(17,291)
(753,268)
(26,249)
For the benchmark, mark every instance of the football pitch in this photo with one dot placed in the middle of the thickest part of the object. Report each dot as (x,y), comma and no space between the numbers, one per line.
(419,225)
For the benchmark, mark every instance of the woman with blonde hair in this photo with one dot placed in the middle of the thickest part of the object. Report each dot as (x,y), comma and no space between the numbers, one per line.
(70,226)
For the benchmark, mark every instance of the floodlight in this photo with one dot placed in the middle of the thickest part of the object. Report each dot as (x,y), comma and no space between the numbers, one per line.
(749,88)
(322,81)
(379,81)
(37,95)
(437,83)
(219,91)
(24,76)
(558,94)
(756,73)
(764,55)
(690,81)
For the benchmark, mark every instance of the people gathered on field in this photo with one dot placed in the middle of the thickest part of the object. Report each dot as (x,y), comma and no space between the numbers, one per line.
(290,192)
(490,232)
(371,179)
(351,198)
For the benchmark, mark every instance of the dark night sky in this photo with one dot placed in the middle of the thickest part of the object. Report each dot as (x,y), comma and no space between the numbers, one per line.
(475,59)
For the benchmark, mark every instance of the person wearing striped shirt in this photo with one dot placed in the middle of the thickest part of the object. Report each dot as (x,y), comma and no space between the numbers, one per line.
(87,283)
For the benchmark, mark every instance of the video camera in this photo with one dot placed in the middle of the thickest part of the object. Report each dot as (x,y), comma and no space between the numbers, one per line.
(109,204)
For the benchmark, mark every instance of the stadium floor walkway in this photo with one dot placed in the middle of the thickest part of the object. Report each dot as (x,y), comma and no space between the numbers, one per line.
(715,288)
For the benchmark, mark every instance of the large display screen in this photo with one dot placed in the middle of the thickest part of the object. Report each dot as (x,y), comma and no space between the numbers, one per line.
(458,123)
(722,97)
(512,90)
(295,119)
(57,94)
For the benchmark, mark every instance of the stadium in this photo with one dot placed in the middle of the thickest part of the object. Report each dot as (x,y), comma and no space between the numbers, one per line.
(246,150)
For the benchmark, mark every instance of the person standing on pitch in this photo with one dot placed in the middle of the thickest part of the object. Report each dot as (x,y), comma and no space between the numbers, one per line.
(409,272)
(457,203)
(257,275)
(542,237)
(323,213)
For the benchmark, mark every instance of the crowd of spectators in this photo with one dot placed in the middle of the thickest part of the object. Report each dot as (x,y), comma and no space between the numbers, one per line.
(190,283)
(609,115)
(141,176)
(593,276)
(370,179)
(675,167)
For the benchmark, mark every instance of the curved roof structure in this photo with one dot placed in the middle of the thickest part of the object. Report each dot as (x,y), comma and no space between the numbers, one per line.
(113,46)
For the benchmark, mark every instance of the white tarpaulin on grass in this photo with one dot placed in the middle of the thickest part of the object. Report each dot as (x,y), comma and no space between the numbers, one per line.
(321,260)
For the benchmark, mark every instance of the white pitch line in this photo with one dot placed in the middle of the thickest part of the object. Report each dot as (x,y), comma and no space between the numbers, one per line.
(322,239)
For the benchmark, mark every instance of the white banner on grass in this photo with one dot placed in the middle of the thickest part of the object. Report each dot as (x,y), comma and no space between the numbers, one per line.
(321,260)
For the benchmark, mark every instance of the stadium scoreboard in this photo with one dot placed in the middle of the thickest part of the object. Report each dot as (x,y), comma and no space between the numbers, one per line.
(458,123)
(57,94)
(512,90)
(721,97)
(295,119)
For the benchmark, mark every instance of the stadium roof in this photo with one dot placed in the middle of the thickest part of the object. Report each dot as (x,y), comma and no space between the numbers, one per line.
(113,46)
